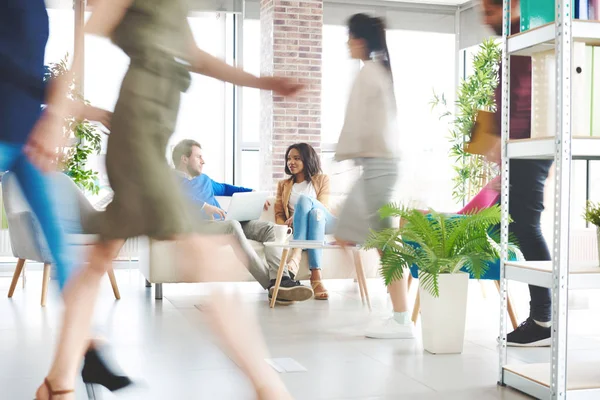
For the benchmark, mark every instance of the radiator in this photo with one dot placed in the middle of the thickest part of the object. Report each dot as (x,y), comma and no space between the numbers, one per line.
(584,246)
(5,250)
(130,250)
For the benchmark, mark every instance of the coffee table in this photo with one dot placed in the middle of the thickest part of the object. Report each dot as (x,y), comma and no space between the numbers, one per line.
(353,253)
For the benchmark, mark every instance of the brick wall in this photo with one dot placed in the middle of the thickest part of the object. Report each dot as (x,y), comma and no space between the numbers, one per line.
(291,45)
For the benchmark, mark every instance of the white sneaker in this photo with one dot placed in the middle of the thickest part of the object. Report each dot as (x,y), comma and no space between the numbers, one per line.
(389,328)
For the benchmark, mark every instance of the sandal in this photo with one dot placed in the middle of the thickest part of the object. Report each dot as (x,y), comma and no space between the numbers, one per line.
(52,392)
(293,268)
(320,292)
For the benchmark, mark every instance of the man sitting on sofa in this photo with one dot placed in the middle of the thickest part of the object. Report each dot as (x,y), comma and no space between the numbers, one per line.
(187,158)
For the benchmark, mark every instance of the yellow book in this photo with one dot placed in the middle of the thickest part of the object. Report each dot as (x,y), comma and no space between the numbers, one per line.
(484,136)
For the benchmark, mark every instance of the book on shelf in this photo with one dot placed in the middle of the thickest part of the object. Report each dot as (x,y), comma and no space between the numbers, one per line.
(585,87)
(593,10)
(543,98)
(595,92)
(581,81)
(589,92)
(582,9)
(536,13)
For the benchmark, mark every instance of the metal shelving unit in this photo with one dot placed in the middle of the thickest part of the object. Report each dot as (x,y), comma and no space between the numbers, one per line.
(582,148)
(539,273)
(543,38)
(557,379)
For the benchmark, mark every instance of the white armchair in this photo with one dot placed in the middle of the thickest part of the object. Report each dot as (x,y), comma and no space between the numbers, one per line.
(26,237)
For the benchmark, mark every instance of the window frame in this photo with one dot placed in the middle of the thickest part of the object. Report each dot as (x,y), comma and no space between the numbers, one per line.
(240,145)
(228,158)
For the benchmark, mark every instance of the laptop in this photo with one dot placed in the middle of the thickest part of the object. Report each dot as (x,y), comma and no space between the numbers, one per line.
(247,206)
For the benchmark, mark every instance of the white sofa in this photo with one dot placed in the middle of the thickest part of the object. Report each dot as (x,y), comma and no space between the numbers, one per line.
(158,266)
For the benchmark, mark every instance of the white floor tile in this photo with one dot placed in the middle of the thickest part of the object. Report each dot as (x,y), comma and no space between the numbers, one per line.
(168,348)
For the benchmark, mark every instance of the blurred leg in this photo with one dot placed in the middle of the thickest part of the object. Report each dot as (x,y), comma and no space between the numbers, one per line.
(80,297)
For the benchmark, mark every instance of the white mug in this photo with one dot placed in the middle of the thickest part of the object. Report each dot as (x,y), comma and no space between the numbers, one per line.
(282,233)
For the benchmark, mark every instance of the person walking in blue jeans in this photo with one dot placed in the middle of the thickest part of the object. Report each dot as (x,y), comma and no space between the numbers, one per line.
(303,203)
(29,139)
(22,92)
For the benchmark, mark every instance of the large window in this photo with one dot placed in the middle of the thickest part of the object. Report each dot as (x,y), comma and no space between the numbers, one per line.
(339,71)
(250,169)
(426,169)
(202,108)
(205,110)
(61,39)
(423,62)
(251,97)
(105,66)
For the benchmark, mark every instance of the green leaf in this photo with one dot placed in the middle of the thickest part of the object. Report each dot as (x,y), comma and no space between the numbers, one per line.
(592,213)
(436,243)
(474,93)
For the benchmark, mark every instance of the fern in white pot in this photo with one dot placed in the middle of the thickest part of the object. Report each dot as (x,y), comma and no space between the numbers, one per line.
(446,249)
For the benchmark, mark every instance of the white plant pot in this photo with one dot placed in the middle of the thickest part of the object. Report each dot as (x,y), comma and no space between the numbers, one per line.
(443,318)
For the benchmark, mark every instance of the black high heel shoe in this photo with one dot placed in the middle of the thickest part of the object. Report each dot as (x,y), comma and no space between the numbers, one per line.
(96,372)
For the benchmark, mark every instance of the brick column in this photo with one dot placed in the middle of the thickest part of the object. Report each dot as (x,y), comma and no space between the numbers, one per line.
(291,45)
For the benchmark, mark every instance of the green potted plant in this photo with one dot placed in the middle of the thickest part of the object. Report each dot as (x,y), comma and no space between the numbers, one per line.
(476,92)
(445,248)
(592,216)
(85,139)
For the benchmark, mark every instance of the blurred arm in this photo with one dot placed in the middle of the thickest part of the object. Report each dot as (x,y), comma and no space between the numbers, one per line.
(208,65)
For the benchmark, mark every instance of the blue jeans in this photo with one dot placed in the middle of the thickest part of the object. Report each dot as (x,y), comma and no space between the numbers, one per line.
(312,220)
(41,195)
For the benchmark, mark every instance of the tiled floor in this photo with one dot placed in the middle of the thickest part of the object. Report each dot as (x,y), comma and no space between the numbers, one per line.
(168,348)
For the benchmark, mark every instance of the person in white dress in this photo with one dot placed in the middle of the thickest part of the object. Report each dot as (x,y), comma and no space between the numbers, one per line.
(370,137)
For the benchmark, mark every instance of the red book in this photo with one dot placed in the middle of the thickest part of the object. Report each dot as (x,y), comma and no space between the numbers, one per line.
(594,10)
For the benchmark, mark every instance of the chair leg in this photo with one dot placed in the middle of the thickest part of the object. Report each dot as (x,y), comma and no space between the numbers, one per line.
(15,279)
(24,276)
(410,281)
(158,294)
(360,272)
(284,256)
(416,308)
(362,290)
(514,320)
(482,287)
(148,284)
(113,282)
(45,281)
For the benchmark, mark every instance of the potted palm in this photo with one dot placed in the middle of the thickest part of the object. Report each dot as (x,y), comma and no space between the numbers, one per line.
(445,249)
(592,216)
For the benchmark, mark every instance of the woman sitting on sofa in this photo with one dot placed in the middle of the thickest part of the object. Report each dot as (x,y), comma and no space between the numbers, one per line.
(303,203)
